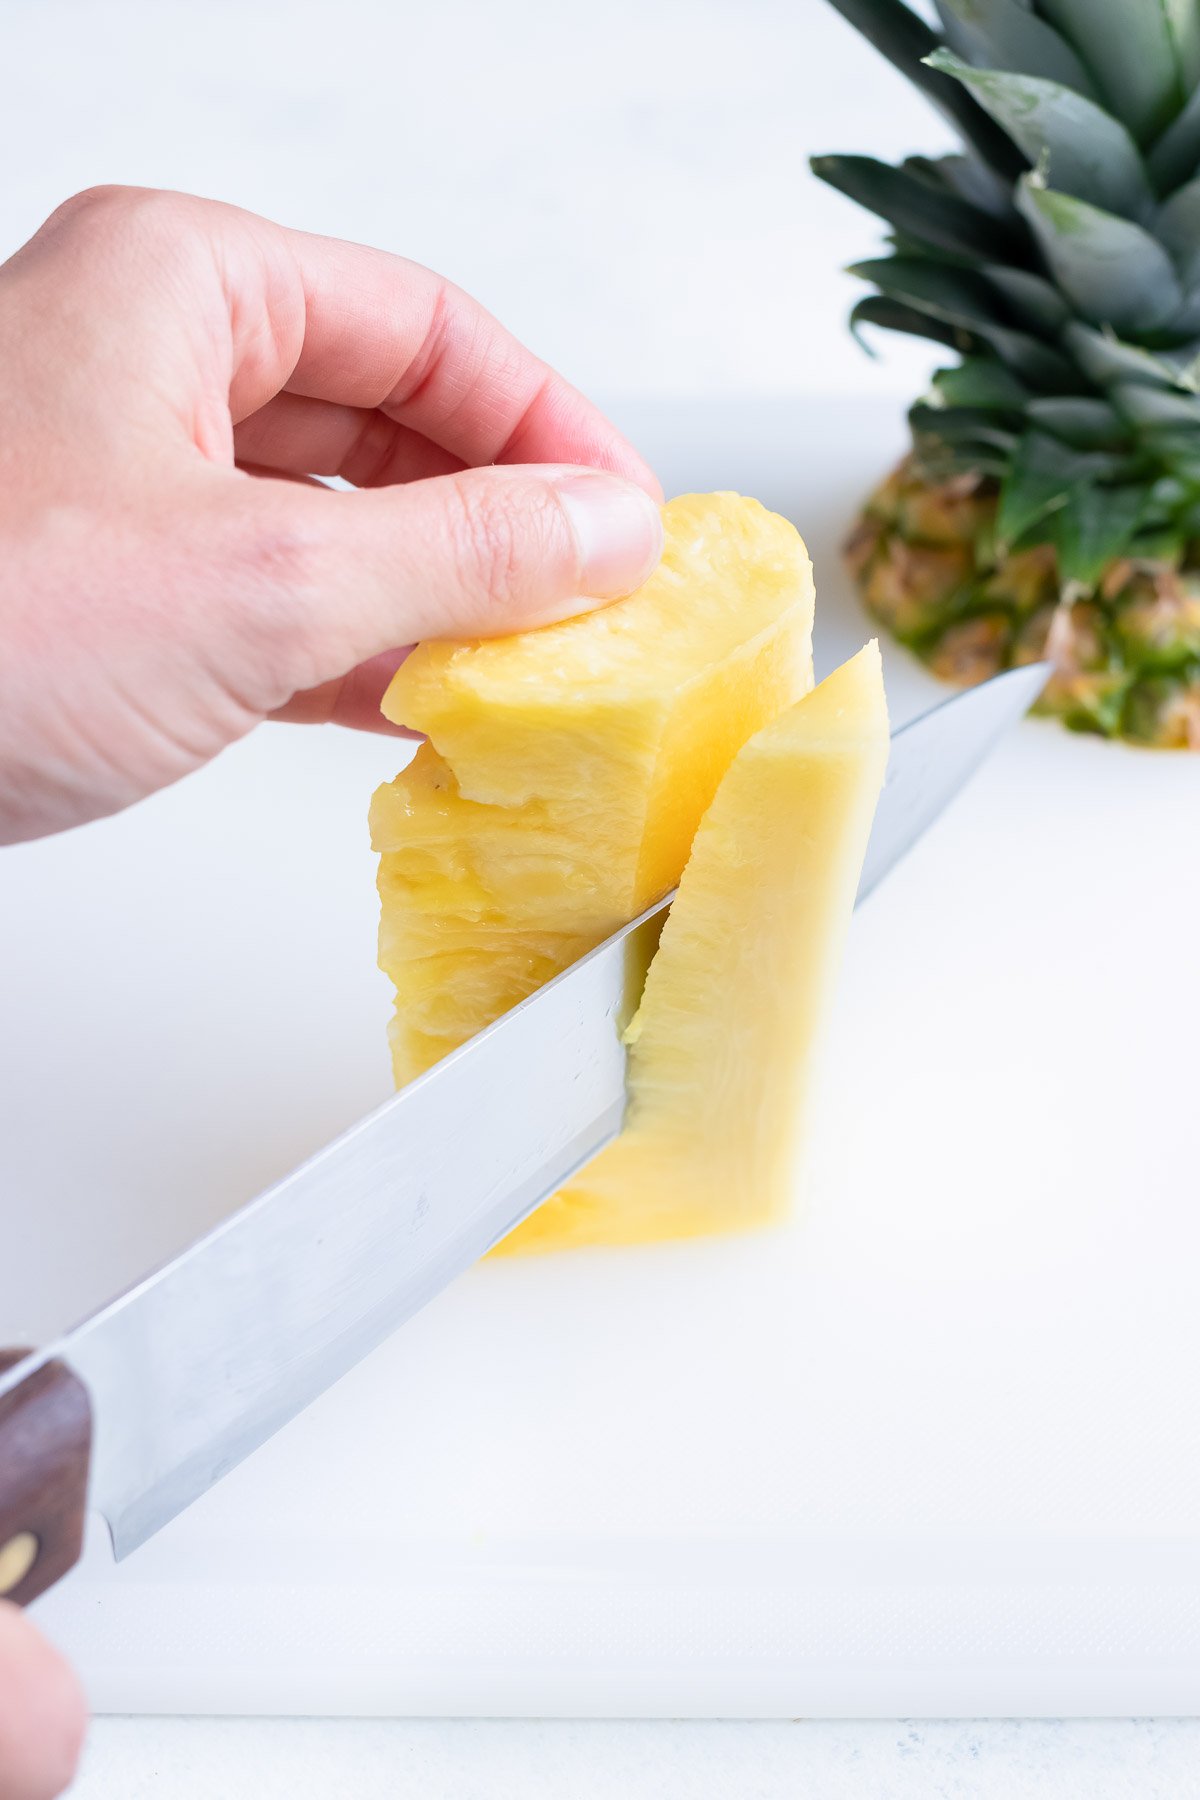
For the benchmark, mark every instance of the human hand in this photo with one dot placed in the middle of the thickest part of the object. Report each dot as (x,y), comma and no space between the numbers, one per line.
(41,1713)
(168,363)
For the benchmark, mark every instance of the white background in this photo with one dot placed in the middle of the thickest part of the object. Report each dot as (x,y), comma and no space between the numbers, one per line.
(626,185)
(624,182)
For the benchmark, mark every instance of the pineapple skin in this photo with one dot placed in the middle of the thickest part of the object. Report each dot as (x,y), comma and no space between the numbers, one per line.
(1126,655)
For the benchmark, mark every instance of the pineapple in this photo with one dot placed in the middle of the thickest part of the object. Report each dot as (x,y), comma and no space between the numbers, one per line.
(564,779)
(736,996)
(567,769)
(1050,505)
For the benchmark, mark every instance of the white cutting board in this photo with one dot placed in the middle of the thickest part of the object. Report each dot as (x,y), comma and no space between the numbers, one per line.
(934,1449)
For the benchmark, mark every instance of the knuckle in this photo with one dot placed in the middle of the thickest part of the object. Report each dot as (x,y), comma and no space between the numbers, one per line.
(157,213)
(282,556)
(103,196)
(80,217)
(106,202)
(126,214)
(501,534)
(481,536)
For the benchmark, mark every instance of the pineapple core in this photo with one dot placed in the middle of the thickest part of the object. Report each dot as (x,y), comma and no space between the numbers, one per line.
(565,777)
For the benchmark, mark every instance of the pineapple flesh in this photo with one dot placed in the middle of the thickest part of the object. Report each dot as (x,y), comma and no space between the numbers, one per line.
(568,776)
(566,770)
(1051,502)
(735,999)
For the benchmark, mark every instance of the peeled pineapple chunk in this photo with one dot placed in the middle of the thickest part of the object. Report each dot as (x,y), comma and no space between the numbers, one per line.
(737,993)
(569,776)
(567,769)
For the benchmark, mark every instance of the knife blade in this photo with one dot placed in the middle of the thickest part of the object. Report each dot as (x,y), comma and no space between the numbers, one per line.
(139,1409)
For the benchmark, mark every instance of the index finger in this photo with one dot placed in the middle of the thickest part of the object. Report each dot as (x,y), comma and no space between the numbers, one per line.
(385,334)
(222,311)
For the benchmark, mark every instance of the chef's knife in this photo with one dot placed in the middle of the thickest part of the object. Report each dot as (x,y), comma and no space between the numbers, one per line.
(139,1409)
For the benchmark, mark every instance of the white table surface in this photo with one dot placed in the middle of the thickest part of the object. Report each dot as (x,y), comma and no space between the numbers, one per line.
(626,187)
(327,1759)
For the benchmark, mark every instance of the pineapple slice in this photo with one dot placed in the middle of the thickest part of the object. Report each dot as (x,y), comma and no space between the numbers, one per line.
(737,992)
(567,769)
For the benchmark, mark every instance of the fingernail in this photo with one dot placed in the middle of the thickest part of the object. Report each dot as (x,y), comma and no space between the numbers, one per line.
(618,529)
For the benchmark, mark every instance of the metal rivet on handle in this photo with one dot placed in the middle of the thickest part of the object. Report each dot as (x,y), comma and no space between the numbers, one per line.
(17,1557)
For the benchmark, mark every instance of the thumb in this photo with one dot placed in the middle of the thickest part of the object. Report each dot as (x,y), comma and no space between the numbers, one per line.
(474,554)
(42,1713)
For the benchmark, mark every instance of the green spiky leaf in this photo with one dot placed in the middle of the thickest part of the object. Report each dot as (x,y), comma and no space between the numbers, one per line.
(1005,34)
(1112,271)
(1135,50)
(1033,300)
(1182,326)
(906,41)
(969,179)
(906,246)
(958,425)
(1180,452)
(1085,424)
(1039,478)
(1157,409)
(892,315)
(1104,359)
(1094,525)
(914,208)
(1169,499)
(954,293)
(1178,225)
(963,299)
(1035,483)
(982,381)
(1176,155)
(1084,150)
(1183,23)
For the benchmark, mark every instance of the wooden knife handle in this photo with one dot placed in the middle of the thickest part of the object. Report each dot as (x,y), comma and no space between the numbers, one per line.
(45,1443)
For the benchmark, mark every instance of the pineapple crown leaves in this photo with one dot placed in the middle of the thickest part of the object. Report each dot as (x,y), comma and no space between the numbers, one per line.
(1058,255)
